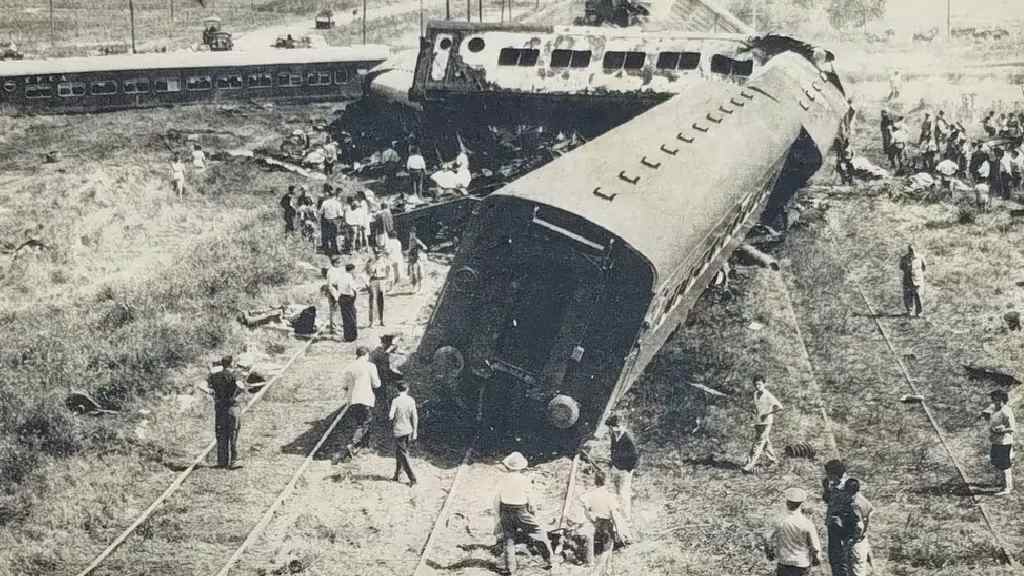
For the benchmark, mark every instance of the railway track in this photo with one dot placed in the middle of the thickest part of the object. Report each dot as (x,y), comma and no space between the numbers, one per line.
(859,456)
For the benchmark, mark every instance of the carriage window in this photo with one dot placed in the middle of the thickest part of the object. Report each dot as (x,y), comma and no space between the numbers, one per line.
(233,82)
(678,60)
(262,80)
(289,80)
(614,60)
(10,86)
(39,91)
(136,86)
(475,44)
(635,60)
(570,58)
(103,87)
(167,85)
(743,67)
(318,79)
(518,57)
(198,83)
(69,89)
(341,76)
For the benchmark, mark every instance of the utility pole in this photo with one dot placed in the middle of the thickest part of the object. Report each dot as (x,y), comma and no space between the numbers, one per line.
(53,34)
(949,20)
(364,21)
(447,9)
(421,19)
(131,17)
(469,10)
(754,17)
(172,12)
(481,7)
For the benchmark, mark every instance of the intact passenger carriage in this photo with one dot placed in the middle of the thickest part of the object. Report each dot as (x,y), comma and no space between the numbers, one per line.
(572,277)
(101,83)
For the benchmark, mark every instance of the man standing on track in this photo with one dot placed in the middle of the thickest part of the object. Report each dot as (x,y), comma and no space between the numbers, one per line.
(913,267)
(341,294)
(624,459)
(404,425)
(379,272)
(514,511)
(765,408)
(1001,426)
(360,378)
(793,543)
(860,562)
(224,387)
(837,512)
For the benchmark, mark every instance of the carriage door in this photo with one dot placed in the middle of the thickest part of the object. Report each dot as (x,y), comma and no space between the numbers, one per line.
(442,52)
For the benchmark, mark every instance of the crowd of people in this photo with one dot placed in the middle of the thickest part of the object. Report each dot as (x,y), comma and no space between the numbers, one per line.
(945,149)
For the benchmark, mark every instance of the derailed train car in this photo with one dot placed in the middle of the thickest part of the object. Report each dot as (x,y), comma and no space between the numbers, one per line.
(572,277)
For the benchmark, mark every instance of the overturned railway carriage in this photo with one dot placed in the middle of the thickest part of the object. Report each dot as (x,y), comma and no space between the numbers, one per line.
(103,83)
(572,277)
(510,74)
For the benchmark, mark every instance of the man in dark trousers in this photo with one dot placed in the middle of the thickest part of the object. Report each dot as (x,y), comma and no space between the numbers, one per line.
(360,378)
(341,294)
(625,457)
(289,209)
(224,387)
(404,426)
(837,511)
(381,358)
(514,511)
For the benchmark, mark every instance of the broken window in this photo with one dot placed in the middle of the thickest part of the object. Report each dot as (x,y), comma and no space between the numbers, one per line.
(570,58)
(518,57)
(614,60)
(678,60)
(103,87)
(341,76)
(136,86)
(724,65)
(167,85)
(69,89)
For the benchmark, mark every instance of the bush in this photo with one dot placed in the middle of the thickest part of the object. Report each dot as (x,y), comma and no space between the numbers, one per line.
(123,345)
(966,215)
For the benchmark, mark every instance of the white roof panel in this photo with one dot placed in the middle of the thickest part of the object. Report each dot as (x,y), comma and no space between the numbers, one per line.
(190,59)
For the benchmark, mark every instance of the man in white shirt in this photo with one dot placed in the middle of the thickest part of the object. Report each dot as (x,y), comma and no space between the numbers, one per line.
(341,294)
(404,425)
(393,246)
(1001,426)
(602,509)
(765,408)
(417,168)
(514,511)
(198,158)
(360,378)
(793,543)
(330,211)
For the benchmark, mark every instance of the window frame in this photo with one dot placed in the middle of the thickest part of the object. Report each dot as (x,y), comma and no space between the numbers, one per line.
(228,78)
(131,85)
(35,88)
(167,81)
(71,86)
(189,80)
(102,84)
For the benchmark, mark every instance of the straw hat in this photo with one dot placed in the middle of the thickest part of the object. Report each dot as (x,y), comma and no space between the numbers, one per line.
(796,495)
(514,462)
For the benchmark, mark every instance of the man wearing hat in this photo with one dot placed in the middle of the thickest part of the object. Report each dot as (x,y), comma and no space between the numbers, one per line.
(514,511)
(793,543)
(360,379)
(224,387)
(624,459)
(1001,426)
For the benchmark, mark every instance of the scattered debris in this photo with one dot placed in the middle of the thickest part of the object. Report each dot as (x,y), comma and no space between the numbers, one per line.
(53,156)
(82,403)
(998,377)
(804,450)
(751,255)
(755,325)
(259,317)
(864,169)
(912,399)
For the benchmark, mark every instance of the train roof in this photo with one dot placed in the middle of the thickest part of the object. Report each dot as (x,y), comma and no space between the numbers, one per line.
(189,59)
(634,31)
(682,188)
